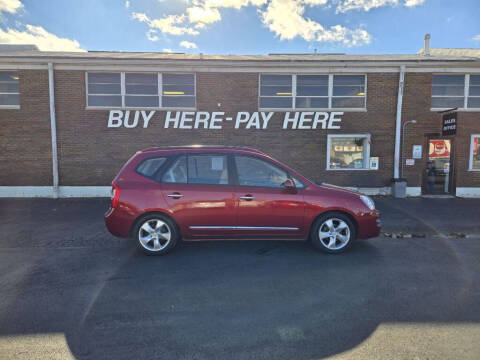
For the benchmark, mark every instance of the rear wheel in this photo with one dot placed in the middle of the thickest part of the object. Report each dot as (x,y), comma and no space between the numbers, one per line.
(156,234)
(333,232)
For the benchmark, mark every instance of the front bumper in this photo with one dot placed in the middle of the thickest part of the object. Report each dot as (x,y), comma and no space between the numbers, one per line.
(369,225)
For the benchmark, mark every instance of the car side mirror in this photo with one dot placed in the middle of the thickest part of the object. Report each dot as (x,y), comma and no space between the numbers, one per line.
(289,185)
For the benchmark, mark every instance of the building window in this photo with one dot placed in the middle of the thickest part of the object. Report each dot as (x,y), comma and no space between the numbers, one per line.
(474,92)
(455,91)
(475,153)
(9,93)
(178,90)
(324,92)
(348,152)
(140,90)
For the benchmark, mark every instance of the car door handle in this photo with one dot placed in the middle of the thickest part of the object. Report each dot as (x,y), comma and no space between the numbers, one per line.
(175,195)
(247,197)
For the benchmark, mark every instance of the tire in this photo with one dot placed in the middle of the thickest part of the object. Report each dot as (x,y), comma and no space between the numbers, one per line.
(334,239)
(156,234)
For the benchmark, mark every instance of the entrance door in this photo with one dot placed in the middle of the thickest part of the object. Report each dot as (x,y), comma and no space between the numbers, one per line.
(438,174)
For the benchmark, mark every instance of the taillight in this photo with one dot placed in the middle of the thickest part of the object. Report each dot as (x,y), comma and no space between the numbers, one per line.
(114,195)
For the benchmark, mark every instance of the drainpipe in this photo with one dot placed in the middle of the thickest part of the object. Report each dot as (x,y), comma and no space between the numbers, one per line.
(53,127)
(398,123)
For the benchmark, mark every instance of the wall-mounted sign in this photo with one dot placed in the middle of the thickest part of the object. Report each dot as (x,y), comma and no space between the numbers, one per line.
(374,163)
(305,120)
(449,124)
(439,149)
(417,151)
(410,162)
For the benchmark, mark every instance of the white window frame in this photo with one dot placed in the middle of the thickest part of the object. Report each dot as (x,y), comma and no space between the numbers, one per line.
(366,160)
(122,91)
(330,93)
(470,163)
(466,79)
(13,107)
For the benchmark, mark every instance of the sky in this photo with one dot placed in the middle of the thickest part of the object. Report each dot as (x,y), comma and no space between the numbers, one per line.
(241,26)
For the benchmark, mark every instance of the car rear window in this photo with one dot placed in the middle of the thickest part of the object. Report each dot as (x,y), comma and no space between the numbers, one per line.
(150,166)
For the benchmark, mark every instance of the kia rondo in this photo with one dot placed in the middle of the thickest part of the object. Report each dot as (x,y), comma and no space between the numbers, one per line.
(162,195)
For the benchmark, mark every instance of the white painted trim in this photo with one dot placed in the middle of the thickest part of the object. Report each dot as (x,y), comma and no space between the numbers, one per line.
(53,128)
(470,156)
(48,192)
(366,151)
(22,67)
(10,107)
(414,191)
(468,192)
(458,110)
(398,122)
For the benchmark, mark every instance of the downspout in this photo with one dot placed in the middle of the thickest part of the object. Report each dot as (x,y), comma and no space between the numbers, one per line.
(53,127)
(398,123)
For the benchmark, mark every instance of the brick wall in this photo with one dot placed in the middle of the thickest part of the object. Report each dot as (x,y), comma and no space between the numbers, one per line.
(25,140)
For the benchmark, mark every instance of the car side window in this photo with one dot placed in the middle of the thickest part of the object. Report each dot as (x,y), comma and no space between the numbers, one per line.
(207,169)
(177,173)
(255,172)
(150,166)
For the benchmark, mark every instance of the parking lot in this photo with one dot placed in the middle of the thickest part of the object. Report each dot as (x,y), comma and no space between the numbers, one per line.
(68,289)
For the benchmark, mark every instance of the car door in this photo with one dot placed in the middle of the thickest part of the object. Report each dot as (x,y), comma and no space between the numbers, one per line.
(266,209)
(199,194)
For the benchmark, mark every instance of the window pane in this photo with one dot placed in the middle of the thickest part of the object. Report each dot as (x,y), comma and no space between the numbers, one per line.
(207,169)
(315,85)
(448,90)
(473,102)
(474,91)
(447,80)
(476,153)
(141,101)
(141,79)
(276,102)
(475,80)
(348,102)
(177,172)
(256,172)
(347,153)
(150,166)
(104,89)
(276,91)
(285,80)
(447,102)
(178,79)
(178,89)
(340,80)
(178,101)
(306,102)
(8,76)
(142,89)
(349,91)
(9,99)
(9,87)
(109,100)
(104,78)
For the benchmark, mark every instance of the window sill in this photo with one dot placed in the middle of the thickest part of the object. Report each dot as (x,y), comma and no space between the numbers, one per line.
(458,110)
(12,107)
(314,110)
(139,108)
(328,169)
(474,170)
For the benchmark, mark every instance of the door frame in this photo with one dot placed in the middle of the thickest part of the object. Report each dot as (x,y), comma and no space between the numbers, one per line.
(452,174)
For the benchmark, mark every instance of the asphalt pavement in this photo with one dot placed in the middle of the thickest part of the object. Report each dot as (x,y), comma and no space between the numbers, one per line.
(68,289)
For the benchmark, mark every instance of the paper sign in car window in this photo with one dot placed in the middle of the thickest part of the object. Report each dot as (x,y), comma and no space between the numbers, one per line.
(217,163)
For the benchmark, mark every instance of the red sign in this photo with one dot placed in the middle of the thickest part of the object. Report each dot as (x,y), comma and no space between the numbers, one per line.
(439,149)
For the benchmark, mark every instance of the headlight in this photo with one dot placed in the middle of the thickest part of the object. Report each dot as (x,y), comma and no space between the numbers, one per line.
(368,201)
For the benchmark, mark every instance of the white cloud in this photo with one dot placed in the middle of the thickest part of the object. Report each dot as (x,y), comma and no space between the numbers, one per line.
(152,35)
(236,4)
(167,50)
(188,44)
(10,6)
(476,37)
(365,5)
(412,3)
(127,4)
(286,19)
(203,14)
(37,35)
(171,24)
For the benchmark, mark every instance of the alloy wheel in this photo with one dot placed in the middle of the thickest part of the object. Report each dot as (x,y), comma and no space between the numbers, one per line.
(154,235)
(334,234)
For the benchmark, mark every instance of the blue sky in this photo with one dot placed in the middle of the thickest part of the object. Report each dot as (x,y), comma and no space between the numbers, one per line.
(241,26)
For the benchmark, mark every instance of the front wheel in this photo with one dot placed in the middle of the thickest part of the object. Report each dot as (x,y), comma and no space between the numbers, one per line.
(333,232)
(156,234)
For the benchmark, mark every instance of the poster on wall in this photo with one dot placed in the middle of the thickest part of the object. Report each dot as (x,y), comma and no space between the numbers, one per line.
(439,149)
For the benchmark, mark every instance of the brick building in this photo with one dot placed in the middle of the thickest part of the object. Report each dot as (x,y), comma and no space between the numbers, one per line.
(69,121)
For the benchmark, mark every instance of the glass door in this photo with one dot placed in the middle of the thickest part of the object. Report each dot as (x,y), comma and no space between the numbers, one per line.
(439,169)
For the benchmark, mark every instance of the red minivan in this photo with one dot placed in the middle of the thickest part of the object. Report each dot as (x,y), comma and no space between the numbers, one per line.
(218,192)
